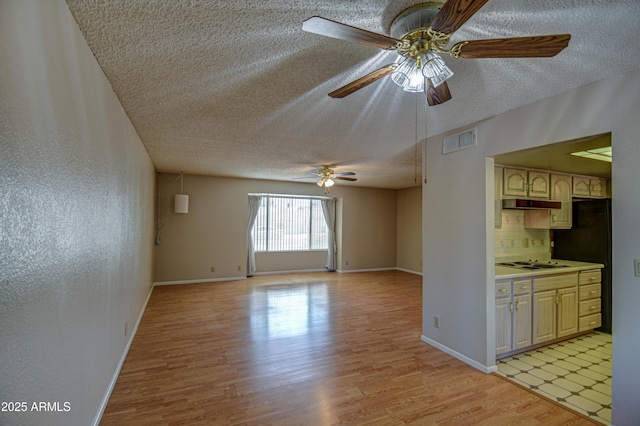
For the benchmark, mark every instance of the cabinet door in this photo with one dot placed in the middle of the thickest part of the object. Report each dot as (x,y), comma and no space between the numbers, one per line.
(544,316)
(567,311)
(503,325)
(514,182)
(581,186)
(598,187)
(538,184)
(561,191)
(522,321)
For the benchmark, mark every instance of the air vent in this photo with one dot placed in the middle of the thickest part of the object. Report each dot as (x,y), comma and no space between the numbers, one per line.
(459,141)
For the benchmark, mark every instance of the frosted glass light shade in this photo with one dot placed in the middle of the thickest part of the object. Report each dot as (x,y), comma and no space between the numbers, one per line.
(435,69)
(181,204)
(408,76)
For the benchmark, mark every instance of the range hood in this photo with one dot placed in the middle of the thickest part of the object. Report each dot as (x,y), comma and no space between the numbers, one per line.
(530,204)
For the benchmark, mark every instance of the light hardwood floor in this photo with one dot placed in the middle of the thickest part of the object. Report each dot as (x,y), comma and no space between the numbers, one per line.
(306,349)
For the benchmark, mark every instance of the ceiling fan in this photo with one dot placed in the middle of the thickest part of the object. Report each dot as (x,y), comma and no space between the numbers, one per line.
(419,34)
(327,177)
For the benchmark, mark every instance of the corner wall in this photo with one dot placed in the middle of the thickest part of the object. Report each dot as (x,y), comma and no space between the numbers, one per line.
(76,220)
(409,256)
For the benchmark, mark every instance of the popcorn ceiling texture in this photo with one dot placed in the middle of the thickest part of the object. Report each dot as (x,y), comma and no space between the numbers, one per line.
(236,88)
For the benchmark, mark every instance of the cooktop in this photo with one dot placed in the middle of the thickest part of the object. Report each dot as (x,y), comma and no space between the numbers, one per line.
(532,264)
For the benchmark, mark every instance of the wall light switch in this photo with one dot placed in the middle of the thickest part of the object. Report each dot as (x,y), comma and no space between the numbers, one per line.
(636,267)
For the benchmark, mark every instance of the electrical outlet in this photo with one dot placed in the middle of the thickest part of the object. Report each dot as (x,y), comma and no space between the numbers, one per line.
(239,268)
(213,269)
(436,321)
(346,262)
(126,328)
(636,267)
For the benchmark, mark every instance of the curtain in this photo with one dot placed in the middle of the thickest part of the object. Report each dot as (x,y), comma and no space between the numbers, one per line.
(254,206)
(329,210)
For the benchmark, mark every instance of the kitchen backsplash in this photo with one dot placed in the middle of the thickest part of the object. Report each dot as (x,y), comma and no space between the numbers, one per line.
(514,241)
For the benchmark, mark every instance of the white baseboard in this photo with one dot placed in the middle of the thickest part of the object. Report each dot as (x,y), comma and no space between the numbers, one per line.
(300,271)
(458,355)
(202,280)
(409,271)
(351,271)
(114,378)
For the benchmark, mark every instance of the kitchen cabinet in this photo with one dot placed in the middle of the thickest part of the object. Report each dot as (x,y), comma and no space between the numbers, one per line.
(561,191)
(555,218)
(525,183)
(555,307)
(513,315)
(589,302)
(586,186)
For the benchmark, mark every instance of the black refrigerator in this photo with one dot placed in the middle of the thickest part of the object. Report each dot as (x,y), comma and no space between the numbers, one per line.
(589,240)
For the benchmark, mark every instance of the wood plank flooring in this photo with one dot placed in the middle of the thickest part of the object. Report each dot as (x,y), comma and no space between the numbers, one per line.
(306,349)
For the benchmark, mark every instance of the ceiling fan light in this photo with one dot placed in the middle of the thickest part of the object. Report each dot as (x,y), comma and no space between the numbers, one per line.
(408,76)
(329,183)
(416,82)
(402,73)
(437,81)
(435,69)
(320,182)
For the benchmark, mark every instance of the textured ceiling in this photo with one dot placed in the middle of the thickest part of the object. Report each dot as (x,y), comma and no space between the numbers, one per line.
(236,88)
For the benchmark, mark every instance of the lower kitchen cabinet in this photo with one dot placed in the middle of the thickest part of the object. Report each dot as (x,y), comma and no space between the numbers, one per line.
(589,303)
(531,311)
(513,315)
(555,307)
(567,311)
(544,314)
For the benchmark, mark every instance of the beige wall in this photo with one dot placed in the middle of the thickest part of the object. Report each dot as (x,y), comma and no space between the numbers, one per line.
(76,219)
(409,256)
(213,233)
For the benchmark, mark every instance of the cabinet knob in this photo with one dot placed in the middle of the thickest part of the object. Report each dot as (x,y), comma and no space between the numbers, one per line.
(592,292)
(591,308)
(502,290)
(524,287)
(593,322)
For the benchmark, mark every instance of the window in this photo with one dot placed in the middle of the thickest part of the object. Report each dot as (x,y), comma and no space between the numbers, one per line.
(286,223)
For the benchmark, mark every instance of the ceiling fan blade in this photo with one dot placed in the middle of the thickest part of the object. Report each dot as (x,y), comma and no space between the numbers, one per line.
(345,174)
(454,13)
(362,82)
(329,28)
(437,95)
(516,47)
(345,178)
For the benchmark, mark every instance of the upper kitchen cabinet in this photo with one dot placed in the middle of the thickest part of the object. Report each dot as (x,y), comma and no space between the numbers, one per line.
(561,191)
(525,183)
(587,186)
(554,218)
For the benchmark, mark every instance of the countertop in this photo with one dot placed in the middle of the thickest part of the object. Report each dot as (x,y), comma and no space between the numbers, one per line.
(506,272)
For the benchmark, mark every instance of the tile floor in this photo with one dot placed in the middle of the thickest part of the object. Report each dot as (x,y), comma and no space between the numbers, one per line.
(576,373)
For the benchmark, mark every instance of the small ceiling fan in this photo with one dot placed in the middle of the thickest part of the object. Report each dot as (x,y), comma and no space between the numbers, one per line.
(326,177)
(419,34)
